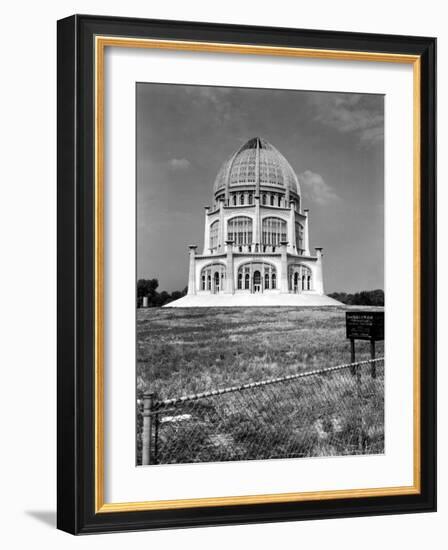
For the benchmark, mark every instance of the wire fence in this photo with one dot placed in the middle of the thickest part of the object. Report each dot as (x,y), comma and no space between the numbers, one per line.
(333,411)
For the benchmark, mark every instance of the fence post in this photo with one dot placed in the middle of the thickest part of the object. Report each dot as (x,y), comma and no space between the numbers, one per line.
(156,438)
(372,356)
(148,401)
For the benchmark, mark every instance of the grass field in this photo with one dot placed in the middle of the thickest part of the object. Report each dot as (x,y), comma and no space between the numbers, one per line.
(182,351)
(188,351)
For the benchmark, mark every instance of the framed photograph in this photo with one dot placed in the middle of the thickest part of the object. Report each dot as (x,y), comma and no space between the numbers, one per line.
(246,274)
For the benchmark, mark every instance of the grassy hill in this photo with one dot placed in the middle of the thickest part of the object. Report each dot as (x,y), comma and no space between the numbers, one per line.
(194,350)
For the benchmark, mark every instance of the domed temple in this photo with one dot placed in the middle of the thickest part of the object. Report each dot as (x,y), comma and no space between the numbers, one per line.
(256,239)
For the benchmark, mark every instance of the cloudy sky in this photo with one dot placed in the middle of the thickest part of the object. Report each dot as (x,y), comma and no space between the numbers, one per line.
(334,142)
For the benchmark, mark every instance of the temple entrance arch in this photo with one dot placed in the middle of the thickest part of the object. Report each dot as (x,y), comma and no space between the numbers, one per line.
(257,281)
(216,282)
(256,277)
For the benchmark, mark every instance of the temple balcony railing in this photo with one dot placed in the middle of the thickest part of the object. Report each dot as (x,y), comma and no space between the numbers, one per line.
(253,249)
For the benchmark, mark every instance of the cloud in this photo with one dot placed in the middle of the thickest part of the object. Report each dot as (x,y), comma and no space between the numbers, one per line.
(179,164)
(358,114)
(215,100)
(316,189)
(212,94)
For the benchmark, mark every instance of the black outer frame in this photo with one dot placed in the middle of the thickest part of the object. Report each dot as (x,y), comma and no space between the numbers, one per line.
(75,403)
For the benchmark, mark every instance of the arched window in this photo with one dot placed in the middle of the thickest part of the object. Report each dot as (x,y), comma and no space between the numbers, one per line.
(273,231)
(266,280)
(274,280)
(296,281)
(272,200)
(234,200)
(279,201)
(257,281)
(251,198)
(214,234)
(241,198)
(247,281)
(263,200)
(299,277)
(239,230)
(216,281)
(240,281)
(212,277)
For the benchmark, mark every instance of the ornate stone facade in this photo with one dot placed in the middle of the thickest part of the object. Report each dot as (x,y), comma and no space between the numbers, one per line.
(256,237)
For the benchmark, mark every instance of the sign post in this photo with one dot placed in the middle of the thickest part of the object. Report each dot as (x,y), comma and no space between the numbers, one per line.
(364,325)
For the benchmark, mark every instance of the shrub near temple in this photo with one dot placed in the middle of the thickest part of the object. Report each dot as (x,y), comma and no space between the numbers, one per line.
(147,288)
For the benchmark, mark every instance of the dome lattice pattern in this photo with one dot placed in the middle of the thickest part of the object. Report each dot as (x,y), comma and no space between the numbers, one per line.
(241,168)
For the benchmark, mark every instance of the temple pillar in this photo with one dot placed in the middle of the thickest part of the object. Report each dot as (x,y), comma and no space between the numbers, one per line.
(192,271)
(292,227)
(221,233)
(256,224)
(229,286)
(284,268)
(206,231)
(306,238)
(318,280)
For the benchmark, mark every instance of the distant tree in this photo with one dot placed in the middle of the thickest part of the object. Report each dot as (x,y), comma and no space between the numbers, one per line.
(363,298)
(148,288)
(377,297)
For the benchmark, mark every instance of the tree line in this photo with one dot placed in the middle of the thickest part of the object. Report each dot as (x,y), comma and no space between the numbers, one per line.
(363,298)
(148,288)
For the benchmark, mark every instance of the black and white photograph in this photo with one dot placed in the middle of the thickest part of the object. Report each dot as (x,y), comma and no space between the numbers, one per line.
(260,267)
(220,275)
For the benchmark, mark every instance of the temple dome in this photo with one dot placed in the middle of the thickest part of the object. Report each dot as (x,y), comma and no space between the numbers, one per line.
(242,168)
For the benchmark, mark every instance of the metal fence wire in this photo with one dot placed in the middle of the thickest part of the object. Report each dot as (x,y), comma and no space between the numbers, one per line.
(333,411)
